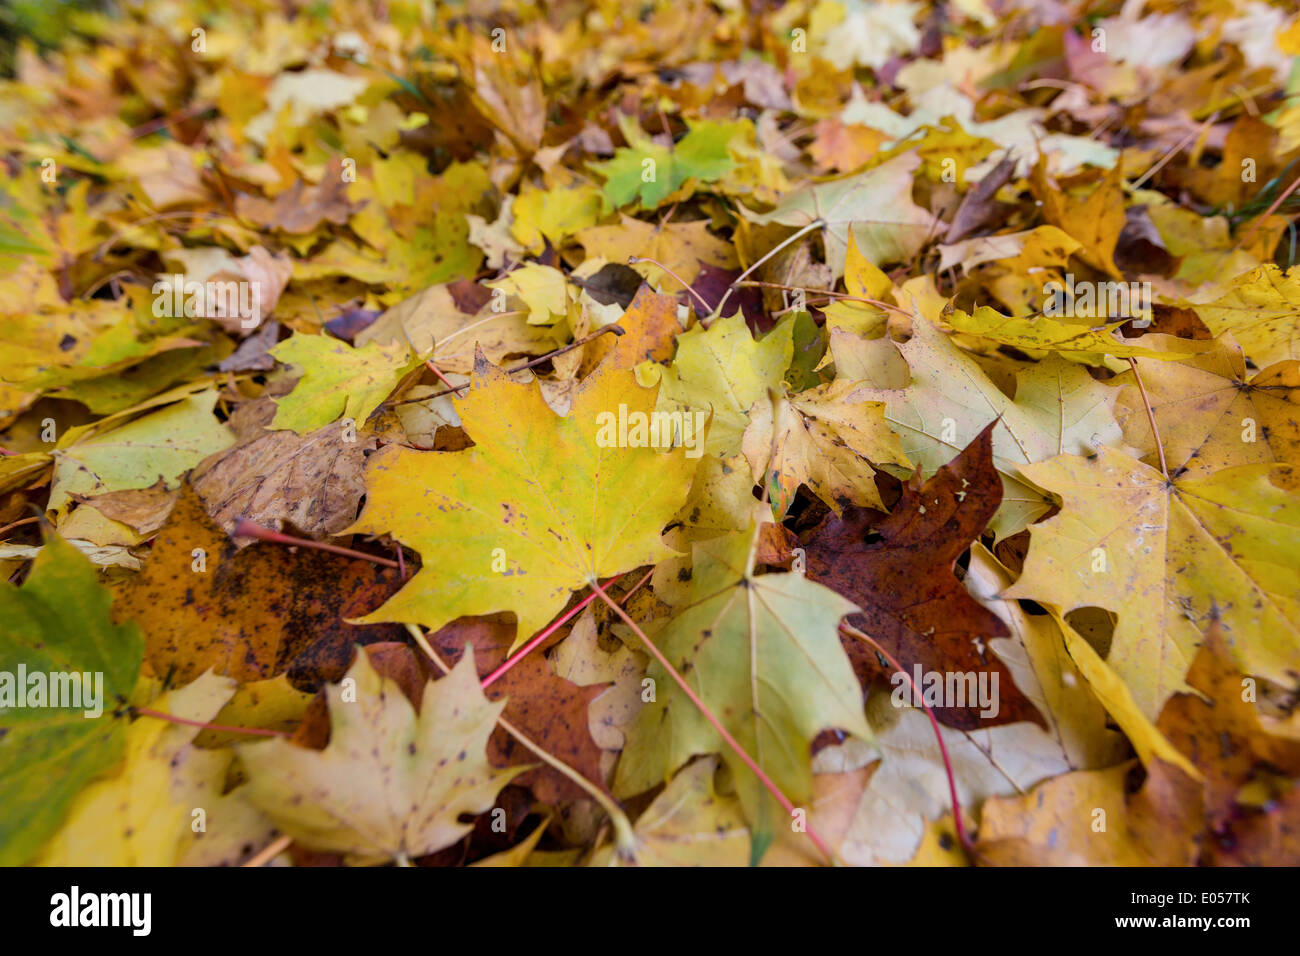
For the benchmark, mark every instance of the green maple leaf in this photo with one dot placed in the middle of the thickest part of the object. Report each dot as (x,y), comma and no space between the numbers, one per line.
(337,380)
(57,622)
(764,655)
(722,370)
(701,155)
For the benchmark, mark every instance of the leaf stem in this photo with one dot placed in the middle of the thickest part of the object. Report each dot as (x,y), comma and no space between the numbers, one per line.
(689,288)
(20,521)
(251,529)
(966,843)
(556,625)
(1267,212)
(272,850)
(815,224)
(1151,416)
(731,741)
(541,636)
(172,718)
(624,838)
(614,329)
(827,292)
(428,363)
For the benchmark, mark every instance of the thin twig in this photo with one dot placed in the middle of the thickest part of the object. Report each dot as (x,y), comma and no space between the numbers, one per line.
(614,329)
(541,636)
(18,522)
(1178,148)
(428,363)
(689,288)
(251,529)
(475,324)
(827,292)
(1267,212)
(154,125)
(556,625)
(815,224)
(277,847)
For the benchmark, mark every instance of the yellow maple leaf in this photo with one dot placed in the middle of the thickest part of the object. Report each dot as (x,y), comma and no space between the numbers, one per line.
(541,505)
(1163,555)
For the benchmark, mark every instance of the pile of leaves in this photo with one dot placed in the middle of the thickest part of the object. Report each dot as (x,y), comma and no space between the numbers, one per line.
(651,433)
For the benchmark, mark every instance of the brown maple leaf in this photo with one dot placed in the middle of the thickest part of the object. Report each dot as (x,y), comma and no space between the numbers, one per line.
(1252,820)
(899,569)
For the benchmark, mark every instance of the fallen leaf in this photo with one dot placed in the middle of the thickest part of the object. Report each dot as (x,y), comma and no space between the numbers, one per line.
(1161,554)
(557,490)
(248,613)
(57,623)
(392,784)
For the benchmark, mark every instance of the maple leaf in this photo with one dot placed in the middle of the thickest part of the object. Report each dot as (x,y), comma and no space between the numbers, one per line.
(94,459)
(1096,223)
(542,289)
(652,172)
(436,329)
(692,823)
(337,380)
(722,370)
(565,209)
(896,800)
(1058,407)
(826,438)
(1162,554)
(392,784)
(898,571)
(1209,415)
(1064,691)
(419,189)
(763,654)
(203,603)
(650,333)
(58,622)
(1260,309)
(142,815)
(301,209)
(550,710)
(680,246)
(1113,694)
(1222,733)
(313,481)
(1044,332)
(539,496)
(1053,825)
